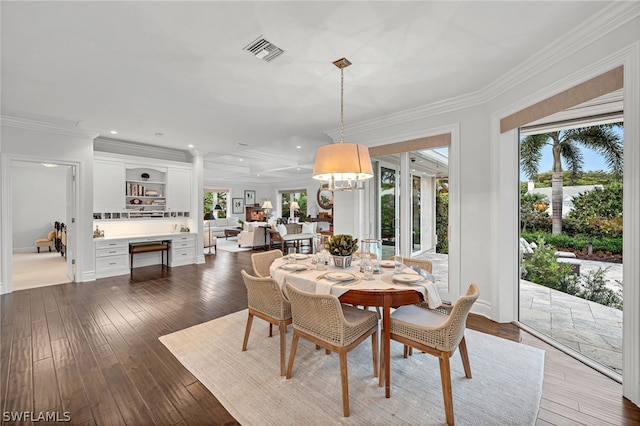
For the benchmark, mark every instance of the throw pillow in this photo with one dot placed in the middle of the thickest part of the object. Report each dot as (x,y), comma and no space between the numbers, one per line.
(307,228)
(282,230)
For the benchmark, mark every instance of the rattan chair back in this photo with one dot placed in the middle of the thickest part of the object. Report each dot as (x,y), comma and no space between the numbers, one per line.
(262,261)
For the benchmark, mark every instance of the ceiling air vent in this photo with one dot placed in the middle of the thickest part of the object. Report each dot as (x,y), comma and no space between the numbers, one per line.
(264,49)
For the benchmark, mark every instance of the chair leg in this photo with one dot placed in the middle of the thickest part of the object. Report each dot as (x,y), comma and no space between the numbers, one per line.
(374,353)
(247,331)
(283,347)
(465,358)
(445,378)
(38,249)
(344,378)
(49,249)
(292,355)
(381,369)
(270,330)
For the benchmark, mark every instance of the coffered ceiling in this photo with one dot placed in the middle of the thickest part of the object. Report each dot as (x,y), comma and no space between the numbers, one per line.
(175,74)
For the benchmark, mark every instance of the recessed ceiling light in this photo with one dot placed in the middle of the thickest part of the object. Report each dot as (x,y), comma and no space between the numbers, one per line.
(114,132)
(239,159)
(190,146)
(298,168)
(299,146)
(49,165)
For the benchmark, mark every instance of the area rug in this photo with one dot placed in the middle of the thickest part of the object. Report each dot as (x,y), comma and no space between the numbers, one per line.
(505,389)
(230,245)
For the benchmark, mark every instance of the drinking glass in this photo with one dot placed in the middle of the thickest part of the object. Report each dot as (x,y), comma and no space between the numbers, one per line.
(323,260)
(397,263)
(291,257)
(366,266)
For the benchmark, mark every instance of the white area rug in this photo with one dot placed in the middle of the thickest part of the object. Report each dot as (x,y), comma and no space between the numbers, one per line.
(505,389)
(230,245)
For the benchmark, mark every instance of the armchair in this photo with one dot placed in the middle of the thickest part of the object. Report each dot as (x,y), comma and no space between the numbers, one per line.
(254,235)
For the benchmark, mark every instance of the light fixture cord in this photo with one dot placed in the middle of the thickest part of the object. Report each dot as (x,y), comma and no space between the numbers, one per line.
(342,105)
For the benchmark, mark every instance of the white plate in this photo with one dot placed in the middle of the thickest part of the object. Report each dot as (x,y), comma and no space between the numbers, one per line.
(407,278)
(298,256)
(387,263)
(294,267)
(340,276)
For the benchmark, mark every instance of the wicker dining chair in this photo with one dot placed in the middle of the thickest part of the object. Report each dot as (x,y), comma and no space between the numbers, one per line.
(420,263)
(437,334)
(323,320)
(262,261)
(267,302)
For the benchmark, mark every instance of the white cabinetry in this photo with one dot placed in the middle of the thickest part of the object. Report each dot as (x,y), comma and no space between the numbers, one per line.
(112,255)
(183,250)
(112,258)
(108,183)
(179,190)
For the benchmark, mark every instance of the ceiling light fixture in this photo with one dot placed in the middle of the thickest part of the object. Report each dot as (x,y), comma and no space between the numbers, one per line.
(114,132)
(342,166)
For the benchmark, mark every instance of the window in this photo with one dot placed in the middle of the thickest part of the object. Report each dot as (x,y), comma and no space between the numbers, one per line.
(287,198)
(213,197)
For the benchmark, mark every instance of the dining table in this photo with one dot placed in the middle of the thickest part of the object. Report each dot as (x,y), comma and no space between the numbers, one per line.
(387,289)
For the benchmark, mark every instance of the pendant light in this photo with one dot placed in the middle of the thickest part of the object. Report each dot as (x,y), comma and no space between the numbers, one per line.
(342,166)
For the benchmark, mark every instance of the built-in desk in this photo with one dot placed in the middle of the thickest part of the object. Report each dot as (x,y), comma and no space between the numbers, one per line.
(112,253)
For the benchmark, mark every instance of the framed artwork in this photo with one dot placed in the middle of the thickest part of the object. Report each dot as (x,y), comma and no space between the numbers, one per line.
(249,198)
(237,206)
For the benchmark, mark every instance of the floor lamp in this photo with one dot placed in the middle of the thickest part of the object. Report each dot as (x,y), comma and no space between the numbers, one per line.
(208,217)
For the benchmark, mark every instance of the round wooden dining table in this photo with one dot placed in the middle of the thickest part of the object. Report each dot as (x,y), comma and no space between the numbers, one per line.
(384,298)
(381,292)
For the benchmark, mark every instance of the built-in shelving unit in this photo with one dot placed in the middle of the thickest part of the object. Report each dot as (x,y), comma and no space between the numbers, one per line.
(149,192)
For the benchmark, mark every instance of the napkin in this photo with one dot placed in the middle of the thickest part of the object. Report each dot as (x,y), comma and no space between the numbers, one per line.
(433,297)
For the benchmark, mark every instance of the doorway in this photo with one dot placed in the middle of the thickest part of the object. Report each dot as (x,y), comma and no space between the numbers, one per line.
(41,195)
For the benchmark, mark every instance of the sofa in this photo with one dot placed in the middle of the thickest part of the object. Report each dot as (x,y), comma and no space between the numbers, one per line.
(254,234)
(217,226)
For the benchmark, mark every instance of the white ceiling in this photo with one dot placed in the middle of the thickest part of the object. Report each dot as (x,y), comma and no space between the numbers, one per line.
(179,68)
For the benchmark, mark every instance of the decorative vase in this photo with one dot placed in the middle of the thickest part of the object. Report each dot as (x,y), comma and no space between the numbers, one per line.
(342,261)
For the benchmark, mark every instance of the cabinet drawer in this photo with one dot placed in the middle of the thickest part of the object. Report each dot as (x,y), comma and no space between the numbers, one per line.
(183,238)
(182,244)
(182,253)
(110,244)
(109,263)
(112,251)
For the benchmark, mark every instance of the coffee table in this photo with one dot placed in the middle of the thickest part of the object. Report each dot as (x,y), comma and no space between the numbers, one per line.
(231,233)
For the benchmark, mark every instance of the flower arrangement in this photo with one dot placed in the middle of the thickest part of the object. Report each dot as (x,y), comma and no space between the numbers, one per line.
(342,245)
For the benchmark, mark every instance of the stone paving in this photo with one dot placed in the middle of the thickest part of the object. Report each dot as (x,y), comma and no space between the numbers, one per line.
(587,327)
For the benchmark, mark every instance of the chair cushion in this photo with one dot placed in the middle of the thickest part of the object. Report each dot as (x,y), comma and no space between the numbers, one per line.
(413,314)
(282,230)
(308,228)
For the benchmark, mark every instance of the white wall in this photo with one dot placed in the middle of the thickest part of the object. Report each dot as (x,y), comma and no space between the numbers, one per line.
(39,199)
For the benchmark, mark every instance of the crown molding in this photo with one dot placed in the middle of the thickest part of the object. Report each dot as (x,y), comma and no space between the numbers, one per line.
(598,26)
(136,149)
(58,127)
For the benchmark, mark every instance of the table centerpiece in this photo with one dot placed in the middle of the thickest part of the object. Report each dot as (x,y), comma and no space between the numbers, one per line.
(342,247)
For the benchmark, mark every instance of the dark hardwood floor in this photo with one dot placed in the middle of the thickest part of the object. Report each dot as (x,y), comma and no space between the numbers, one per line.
(92,349)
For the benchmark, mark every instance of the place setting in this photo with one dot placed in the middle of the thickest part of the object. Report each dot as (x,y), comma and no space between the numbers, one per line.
(342,278)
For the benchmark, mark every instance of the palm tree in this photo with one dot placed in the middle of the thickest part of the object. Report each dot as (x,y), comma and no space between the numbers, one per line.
(565,145)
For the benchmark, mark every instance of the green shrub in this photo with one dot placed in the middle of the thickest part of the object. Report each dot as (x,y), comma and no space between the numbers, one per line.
(578,242)
(594,287)
(442,222)
(543,268)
